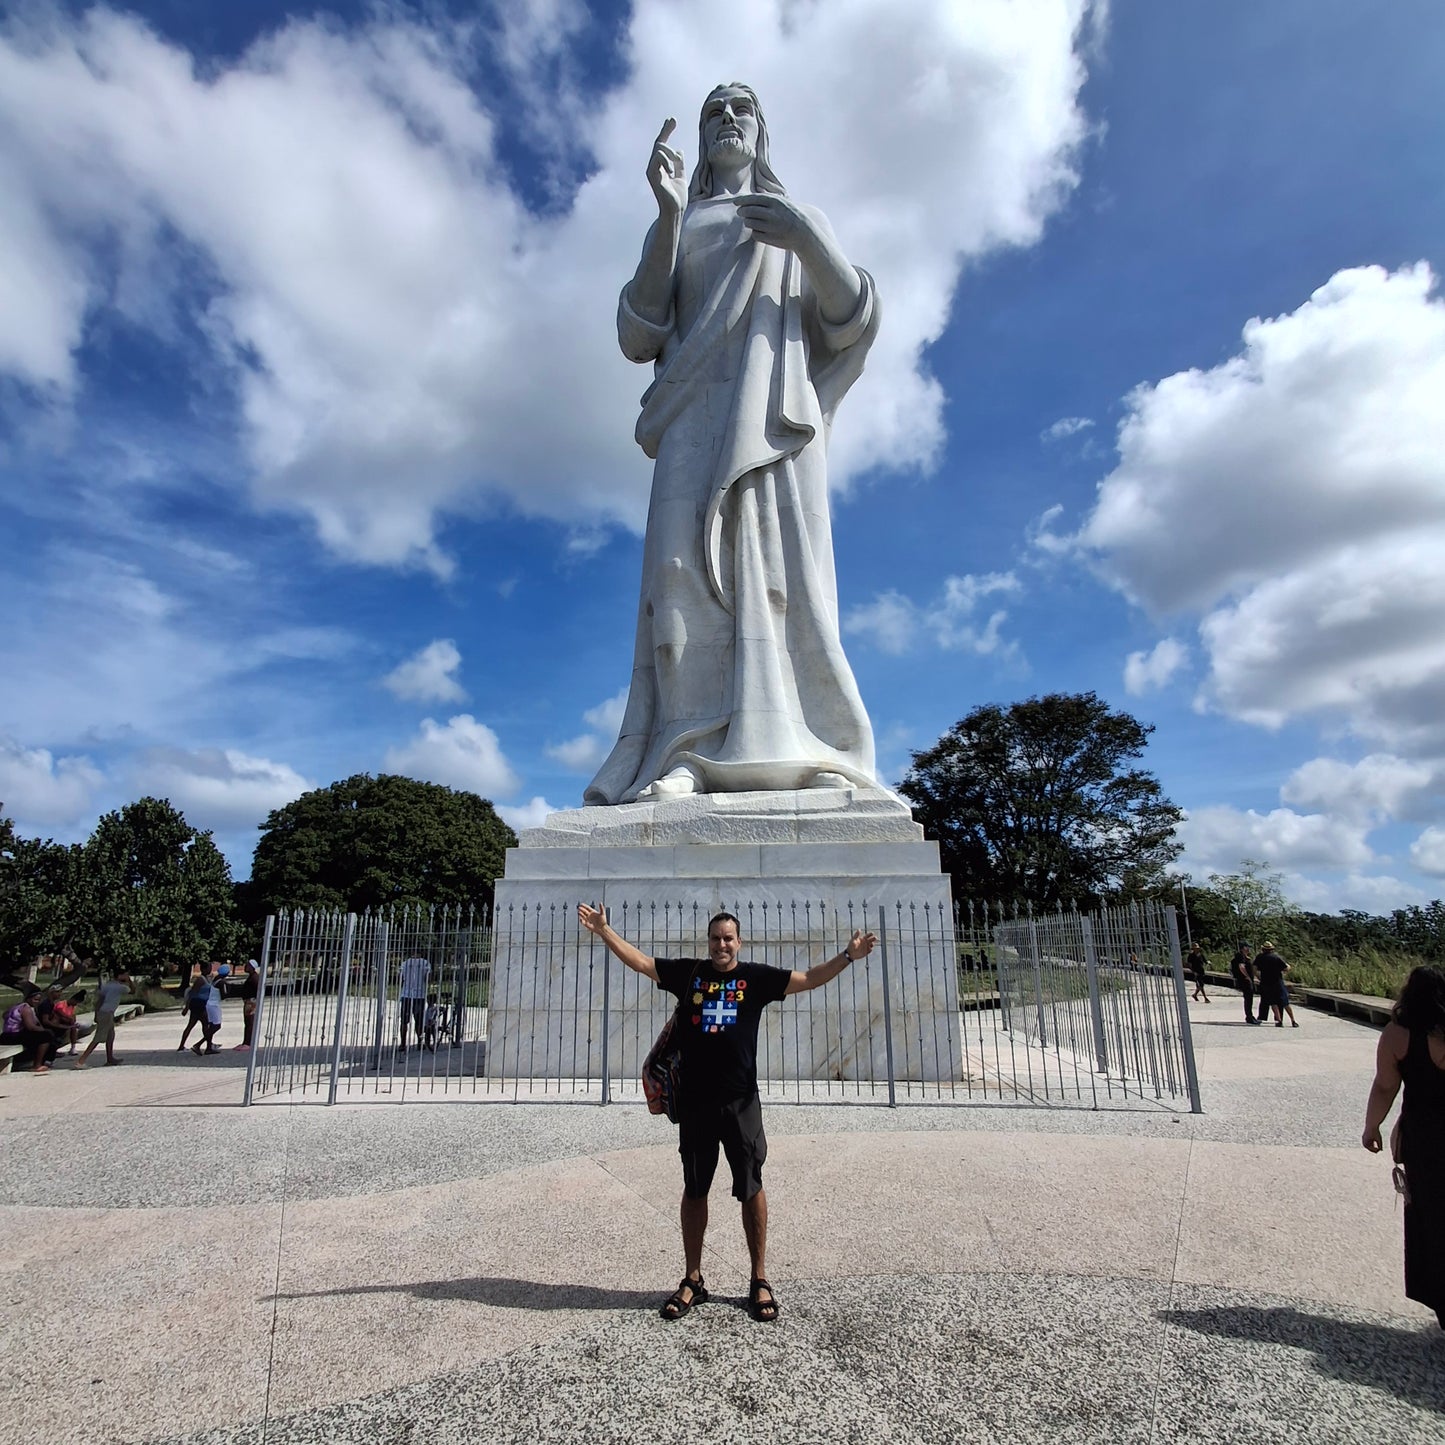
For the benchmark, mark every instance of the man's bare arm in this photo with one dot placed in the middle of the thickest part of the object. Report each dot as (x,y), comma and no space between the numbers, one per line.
(859,946)
(594,920)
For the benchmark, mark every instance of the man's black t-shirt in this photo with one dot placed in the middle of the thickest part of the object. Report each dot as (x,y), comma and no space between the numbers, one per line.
(717,1027)
(1270,968)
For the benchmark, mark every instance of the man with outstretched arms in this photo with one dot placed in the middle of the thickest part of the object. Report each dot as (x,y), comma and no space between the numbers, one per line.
(721,1001)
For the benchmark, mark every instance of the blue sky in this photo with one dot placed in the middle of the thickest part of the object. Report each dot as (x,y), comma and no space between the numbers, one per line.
(316,445)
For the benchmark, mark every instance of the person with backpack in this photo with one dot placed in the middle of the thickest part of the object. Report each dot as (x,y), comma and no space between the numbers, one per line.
(720,1004)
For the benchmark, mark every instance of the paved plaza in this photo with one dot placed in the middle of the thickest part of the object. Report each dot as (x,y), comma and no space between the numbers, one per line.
(180,1268)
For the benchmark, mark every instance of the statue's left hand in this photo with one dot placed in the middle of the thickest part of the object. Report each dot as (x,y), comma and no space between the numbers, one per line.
(776,221)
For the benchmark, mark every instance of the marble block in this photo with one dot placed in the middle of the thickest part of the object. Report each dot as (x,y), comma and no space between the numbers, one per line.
(556,993)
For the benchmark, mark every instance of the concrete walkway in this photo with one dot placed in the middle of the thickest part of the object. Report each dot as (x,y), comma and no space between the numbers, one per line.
(178,1267)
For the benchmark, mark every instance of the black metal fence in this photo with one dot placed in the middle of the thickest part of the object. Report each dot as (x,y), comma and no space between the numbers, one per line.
(451,1003)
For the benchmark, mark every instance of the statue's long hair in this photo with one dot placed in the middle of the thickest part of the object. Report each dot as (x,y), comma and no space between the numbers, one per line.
(763,177)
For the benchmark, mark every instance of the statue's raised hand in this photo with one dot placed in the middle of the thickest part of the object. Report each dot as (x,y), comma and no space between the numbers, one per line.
(776,221)
(666,174)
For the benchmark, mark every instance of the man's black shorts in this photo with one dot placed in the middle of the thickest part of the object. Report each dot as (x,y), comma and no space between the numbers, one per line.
(736,1125)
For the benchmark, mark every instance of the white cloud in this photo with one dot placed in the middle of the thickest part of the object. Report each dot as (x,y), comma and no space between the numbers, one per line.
(895,624)
(582,754)
(1294,496)
(585,753)
(39,790)
(1427,852)
(218,788)
(1216,839)
(1066,426)
(1147,671)
(1369,893)
(428,675)
(337,202)
(462,753)
(126,645)
(1377,787)
(532,814)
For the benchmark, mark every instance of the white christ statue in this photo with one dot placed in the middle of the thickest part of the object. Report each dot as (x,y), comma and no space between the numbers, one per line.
(756,325)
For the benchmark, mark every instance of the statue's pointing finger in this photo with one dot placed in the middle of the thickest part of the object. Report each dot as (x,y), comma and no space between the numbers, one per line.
(660,147)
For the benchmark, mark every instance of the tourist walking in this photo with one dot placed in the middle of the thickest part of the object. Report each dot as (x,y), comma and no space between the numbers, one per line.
(107,1000)
(1241,970)
(720,1004)
(1271,969)
(1411,1052)
(1197,965)
(213,1008)
(197,991)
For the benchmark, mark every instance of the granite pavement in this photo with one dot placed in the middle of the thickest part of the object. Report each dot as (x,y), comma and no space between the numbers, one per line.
(180,1268)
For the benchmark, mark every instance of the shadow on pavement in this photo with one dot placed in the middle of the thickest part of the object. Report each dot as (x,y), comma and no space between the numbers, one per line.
(520,1294)
(1408,1363)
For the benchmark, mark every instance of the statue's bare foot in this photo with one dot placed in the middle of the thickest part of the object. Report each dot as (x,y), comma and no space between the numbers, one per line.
(679,783)
(829,780)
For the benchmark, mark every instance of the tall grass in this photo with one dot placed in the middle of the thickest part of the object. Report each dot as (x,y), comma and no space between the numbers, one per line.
(1369,971)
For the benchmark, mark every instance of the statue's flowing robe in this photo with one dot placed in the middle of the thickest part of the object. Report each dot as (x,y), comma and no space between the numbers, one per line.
(739,672)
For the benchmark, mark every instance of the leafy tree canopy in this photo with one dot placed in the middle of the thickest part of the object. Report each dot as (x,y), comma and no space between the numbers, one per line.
(154,891)
(1254,897)
(39,890)
(146,890)
(372,842)
(1037,802)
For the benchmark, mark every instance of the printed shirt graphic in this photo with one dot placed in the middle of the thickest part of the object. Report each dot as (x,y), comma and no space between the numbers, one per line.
(718,1025)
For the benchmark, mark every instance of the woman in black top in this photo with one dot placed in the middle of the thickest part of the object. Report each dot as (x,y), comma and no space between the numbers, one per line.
(1412,1051)
(1195,966)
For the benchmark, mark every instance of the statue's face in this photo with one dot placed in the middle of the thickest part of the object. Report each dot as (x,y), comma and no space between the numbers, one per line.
(730,128)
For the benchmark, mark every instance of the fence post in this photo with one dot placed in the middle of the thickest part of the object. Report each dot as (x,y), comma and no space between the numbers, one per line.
(260,1001)
(348,940)
(606,1023)
(887,1005)
(383,952)
(1038,979)
(1096,1004)
(1182,1000)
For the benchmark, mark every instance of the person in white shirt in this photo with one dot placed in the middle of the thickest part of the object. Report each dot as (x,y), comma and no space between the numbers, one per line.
(213,1007)
(415,976)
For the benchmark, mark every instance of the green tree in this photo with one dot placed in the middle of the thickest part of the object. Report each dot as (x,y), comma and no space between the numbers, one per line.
(156,891)
(371,842)
(1036,802)
(1255,898)
(39,893)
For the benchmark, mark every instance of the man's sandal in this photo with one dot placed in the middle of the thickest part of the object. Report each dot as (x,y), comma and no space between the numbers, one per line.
(689,1292)
(765,1311)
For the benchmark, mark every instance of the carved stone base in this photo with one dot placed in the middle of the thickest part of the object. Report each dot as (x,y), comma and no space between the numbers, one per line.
(800,870)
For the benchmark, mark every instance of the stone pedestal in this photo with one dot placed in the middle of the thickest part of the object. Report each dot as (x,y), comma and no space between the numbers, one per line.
(801,870)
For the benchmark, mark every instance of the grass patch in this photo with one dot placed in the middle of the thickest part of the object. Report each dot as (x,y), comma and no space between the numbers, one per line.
(1376,974)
